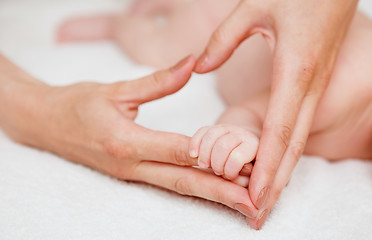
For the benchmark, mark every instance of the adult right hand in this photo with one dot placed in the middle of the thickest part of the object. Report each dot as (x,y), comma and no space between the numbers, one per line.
(93,124)
(305,37)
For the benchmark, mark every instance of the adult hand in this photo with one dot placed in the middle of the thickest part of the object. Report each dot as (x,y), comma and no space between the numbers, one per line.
(93,124)
(305,37)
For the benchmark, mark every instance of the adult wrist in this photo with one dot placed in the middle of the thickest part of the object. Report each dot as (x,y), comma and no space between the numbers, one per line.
(23,108)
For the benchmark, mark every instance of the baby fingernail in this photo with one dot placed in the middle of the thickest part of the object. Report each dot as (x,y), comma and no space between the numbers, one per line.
(262,218)
(193,154)
(245,210)
(262,197)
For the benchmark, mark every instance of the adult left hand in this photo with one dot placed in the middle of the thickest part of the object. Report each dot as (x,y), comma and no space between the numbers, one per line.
(93,124)
(305,37)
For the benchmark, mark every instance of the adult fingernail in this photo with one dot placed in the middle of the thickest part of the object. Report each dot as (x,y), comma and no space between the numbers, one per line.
(262,197)
(246,170)
(262,218)
(202,63)
(180,64)
(245,210)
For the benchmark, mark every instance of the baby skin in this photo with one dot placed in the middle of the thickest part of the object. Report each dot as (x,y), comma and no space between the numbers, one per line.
(342,127)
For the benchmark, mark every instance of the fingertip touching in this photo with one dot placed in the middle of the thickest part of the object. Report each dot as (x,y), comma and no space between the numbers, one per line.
(219,49)
(185,66)
(169,81)
(181,72)
(207,63)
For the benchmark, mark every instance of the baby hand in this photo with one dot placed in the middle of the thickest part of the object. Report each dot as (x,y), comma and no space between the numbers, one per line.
(224,148)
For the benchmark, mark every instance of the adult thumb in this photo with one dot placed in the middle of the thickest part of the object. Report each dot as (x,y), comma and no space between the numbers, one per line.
(156,85)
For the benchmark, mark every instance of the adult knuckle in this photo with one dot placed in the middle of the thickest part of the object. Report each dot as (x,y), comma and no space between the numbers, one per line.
(318,87)
(297,149)
(116,168)
(179,154)
(121,173)
(220,36)
(181,185)
(118,150)
(309,67)
(284,133)
(158,80)
(306,76)
(179,157)
(219,196)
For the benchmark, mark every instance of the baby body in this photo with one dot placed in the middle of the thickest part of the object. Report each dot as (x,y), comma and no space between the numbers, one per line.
(342,127)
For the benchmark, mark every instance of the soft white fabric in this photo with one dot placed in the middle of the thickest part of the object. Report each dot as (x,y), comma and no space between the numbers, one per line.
(45,197)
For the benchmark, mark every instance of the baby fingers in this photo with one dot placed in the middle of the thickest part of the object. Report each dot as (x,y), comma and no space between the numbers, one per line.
(202,143)
(209,140)
(244,153)
(221,152)
(227,149)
